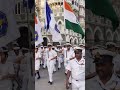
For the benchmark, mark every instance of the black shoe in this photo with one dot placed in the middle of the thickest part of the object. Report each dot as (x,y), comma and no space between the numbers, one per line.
(65,73)
(51,83)
(54,72)
(39,77)
(58,68)
(69,83)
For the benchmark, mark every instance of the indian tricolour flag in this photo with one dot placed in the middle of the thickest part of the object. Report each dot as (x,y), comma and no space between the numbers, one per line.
(71,21)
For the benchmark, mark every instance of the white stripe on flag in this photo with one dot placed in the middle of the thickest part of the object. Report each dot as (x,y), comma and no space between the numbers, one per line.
(56,36)
(38,31)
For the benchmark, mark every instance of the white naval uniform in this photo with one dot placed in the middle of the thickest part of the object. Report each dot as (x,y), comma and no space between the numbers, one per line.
(77,73)
(40,51)
(90,66)
(12,59)
(5,69)
(37,61)
(23,69)
(50,63)
(45,58)
(96,84)
(55,62)
(67,55)
(59,58)
(31,81)
(83,52)
(116,61)
(26,83)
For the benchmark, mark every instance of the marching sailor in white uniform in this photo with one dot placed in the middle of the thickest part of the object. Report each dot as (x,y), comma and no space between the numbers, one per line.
(7,73)
(106,78)
(76,69)
(37,62)
(51,57)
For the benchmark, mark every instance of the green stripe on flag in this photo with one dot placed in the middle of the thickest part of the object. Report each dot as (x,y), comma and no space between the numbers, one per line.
(103,8)
(75,27)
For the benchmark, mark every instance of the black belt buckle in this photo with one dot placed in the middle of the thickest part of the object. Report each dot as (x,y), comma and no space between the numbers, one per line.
(77,80)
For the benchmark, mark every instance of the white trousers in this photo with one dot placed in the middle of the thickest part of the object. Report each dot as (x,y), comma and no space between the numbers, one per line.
(65,65)
(50,66)
(45,63)
(37,64)
(59,62)
(78,85)
(24,83)
(54,65)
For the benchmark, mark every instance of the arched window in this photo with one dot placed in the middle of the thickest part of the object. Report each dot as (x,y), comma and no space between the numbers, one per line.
(59,22)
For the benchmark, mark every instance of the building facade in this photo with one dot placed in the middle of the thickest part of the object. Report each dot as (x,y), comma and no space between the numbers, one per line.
(99,29)
(57,8)
(24,17)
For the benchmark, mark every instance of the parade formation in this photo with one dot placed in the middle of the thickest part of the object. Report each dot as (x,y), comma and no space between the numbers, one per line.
(16,70)
(48,59)
(69,57)
(84,66)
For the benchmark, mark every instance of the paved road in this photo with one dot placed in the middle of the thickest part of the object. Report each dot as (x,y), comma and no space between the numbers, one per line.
(58,84)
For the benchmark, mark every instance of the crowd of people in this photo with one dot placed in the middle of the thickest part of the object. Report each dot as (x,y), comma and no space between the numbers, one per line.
(16,67)
(85,67)
(73,58)
(102,67)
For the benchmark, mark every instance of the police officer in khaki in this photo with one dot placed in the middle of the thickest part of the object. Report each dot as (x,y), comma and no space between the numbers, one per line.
(105,79)
(76,69)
